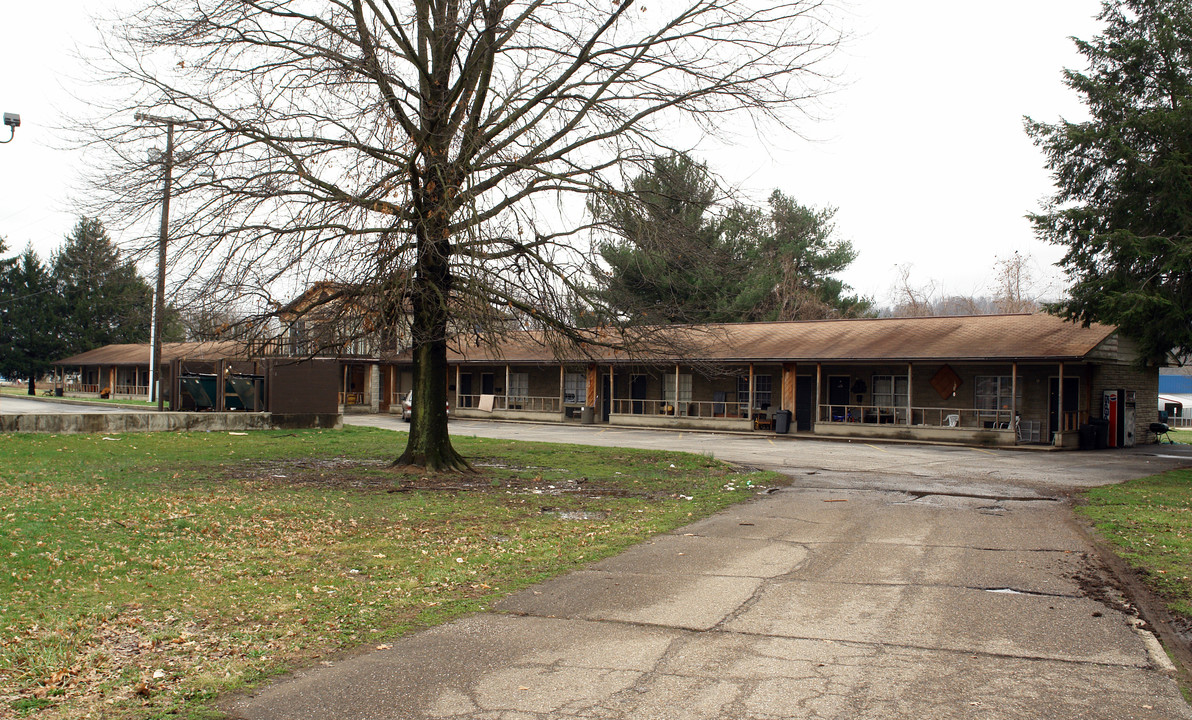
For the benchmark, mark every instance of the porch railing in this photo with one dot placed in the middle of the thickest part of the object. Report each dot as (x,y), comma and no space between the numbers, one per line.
(132,389)
(685,408)
(943,417)
(516,403)
(82,388)
(352,398)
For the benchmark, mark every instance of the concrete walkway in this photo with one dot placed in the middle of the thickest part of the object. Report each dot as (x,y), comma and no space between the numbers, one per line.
(886,593)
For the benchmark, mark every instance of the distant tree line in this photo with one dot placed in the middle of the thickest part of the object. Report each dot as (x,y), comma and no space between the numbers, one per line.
(1014,290)
(85,297)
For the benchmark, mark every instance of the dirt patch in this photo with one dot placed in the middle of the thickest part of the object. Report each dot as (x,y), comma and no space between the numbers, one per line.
(381,476)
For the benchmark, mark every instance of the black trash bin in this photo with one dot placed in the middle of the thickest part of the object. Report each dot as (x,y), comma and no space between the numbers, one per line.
(1101,431)
(1088,437)
(782,421)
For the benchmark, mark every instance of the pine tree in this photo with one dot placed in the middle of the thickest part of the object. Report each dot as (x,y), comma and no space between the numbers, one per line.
(105,299)
(29,314)
(1123,203)
(673,259)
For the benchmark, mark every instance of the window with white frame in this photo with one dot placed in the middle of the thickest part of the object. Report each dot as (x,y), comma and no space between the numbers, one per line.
(993,392)
(892,391)
(575,388)
(519,385)
(762,390)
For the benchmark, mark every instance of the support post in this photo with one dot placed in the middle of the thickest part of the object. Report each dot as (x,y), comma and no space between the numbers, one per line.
(1059,407)
(221,396)
(1014,400)
(749,415)
(676,409)
(910,393)
(819,374)
(612,400)
(591,387)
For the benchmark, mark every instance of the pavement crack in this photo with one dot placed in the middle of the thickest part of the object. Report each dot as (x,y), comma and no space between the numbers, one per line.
(920,494)
(1019,591)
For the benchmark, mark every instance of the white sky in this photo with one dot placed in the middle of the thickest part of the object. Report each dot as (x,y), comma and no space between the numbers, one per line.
(921,150)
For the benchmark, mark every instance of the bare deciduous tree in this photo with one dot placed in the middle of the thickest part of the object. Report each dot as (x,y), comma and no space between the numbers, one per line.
(426,151)
(1014,290)
(908,299)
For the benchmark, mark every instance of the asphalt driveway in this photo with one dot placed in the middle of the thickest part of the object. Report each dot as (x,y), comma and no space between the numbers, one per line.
(888,582)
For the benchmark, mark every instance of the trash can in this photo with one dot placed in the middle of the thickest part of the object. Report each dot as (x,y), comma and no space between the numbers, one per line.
(782,421)
(1101,432)
(57,392)
(1088,437)
(587,416)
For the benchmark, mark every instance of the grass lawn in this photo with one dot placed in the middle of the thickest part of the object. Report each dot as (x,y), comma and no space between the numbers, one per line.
(143,574)
(1149,521)
(1182,436)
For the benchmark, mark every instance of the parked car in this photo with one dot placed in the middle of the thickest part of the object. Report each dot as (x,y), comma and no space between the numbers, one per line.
(407,406)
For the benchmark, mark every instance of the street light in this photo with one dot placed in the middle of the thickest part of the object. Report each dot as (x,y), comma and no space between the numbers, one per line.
(159,299)
(12,121)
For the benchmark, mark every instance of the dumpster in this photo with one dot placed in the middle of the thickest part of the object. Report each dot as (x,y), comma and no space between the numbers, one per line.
(1101,431)
(782,421)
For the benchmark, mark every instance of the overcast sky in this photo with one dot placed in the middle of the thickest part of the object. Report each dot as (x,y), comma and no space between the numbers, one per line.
(921,149)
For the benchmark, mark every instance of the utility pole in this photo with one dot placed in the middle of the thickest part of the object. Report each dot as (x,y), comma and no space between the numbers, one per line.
(159,300)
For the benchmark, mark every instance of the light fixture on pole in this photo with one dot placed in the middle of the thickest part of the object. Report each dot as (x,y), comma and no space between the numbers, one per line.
(159,299)
(12,121)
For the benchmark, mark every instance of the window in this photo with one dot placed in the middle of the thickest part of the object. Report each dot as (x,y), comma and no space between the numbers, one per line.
(668,388)
(993,392)
(762,391)
(519,385)
(891,391)
(575,388)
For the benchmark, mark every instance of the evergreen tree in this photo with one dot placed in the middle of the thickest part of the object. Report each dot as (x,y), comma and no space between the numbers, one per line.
(667,261)
(672,259)
(1123,203)
(29,315)
(105,299)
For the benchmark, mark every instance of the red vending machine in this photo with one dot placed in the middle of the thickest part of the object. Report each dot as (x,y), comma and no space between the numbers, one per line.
(1111,412)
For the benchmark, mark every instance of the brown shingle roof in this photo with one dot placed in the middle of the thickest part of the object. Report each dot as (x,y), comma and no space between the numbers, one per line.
(138,354)
(974,338)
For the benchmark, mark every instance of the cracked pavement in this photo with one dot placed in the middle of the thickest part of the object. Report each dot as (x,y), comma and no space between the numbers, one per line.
(888,582)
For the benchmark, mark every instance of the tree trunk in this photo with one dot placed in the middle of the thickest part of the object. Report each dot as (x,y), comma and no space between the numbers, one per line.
(32,385)
(429,445)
